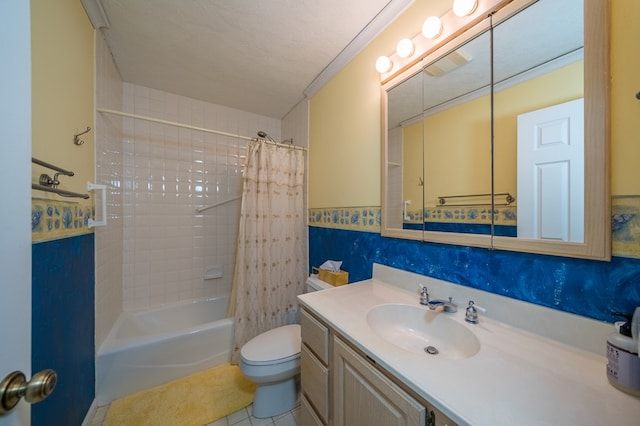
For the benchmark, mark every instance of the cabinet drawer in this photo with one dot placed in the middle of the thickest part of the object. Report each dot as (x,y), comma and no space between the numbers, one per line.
(307,415)
(316,336)
(315,383)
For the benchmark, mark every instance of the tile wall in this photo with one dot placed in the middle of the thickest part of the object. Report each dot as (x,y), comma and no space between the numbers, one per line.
(109,171)
(168,173)
(156,247)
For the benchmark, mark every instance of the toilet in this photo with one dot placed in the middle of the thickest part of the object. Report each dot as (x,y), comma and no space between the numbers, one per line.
(271,360)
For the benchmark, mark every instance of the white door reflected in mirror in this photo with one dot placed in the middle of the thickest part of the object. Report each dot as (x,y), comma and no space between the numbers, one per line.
(551,173)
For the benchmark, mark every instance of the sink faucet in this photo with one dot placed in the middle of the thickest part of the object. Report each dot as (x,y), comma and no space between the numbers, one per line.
(424,294)
(443,305)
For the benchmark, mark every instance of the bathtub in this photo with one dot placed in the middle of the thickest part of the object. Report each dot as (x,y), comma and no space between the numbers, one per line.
(152,347)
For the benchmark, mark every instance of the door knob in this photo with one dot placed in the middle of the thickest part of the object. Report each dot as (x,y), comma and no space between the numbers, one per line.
(15,386)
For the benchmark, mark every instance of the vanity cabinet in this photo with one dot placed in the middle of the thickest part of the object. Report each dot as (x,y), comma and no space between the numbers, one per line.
(341,387)
(314,376)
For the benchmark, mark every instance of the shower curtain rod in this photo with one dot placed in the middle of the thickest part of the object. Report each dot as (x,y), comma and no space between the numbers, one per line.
(186,126)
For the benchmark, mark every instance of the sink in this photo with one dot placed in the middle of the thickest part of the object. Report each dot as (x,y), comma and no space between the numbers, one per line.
(422,331)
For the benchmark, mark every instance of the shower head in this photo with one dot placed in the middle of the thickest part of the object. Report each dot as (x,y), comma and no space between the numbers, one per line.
(265,135)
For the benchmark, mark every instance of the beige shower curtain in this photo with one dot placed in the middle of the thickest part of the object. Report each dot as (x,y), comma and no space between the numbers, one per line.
(270,266)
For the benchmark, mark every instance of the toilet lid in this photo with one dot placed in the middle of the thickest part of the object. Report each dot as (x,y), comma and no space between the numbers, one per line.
(275,344)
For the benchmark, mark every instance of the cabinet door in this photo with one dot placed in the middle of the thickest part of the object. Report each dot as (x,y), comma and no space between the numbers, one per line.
(363,396)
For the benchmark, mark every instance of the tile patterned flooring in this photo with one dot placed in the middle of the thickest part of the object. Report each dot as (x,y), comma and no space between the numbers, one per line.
(241,417)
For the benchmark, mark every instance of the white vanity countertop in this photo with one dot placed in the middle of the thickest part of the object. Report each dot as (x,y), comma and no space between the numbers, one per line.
(517,378)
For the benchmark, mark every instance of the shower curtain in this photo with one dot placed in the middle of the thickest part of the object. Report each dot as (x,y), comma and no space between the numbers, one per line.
(270,266)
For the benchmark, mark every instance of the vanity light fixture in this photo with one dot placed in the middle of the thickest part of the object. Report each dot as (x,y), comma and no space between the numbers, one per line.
(464,7)
(383,64)
(405,48)
(435,31)
(432,27)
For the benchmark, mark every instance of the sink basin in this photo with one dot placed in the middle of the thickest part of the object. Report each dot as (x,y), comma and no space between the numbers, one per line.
(422,331)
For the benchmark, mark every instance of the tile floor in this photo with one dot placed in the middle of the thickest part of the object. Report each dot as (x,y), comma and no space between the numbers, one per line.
(241,417)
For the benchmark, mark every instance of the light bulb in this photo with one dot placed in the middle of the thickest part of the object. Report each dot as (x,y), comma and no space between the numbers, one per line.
(404,49)
(383,64)
(464,7)
(432,27)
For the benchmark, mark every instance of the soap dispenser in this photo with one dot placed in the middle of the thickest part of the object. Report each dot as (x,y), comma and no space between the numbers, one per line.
(623,360)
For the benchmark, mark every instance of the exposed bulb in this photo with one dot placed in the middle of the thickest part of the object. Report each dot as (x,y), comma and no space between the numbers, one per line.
(404,49)
(383,64)
(432,27)
(464,7)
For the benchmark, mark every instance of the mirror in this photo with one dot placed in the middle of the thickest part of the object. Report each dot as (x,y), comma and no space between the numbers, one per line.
(457,139)
(404,165)
(457,188)
(539,119)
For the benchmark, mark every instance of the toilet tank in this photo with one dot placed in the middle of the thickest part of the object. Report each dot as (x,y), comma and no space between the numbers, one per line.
(314,284)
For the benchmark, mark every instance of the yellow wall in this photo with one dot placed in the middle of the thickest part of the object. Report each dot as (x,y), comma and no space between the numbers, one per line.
(344,123)
(457,154)
(62,92)
(447,170)
(625,108)
(341,122)
(562,85)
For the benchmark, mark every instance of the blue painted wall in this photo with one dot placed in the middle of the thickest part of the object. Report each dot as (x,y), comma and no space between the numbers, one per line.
(585,287)
(63,327)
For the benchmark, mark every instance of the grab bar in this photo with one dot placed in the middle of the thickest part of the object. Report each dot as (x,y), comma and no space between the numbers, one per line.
(52,167)
(59,191)
(103,204)
(201,209)
(47,184)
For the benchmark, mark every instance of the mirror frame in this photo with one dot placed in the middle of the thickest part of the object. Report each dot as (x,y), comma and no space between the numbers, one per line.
(597,235)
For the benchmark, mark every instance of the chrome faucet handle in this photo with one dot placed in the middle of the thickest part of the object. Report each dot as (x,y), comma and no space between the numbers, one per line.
(424,294)
(471,315)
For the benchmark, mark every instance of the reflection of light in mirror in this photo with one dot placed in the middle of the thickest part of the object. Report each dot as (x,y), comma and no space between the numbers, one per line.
(432,27)
(383,64)
(464,7)
(404,49)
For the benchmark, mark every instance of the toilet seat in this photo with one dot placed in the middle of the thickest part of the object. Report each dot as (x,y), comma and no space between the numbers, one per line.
(278,345)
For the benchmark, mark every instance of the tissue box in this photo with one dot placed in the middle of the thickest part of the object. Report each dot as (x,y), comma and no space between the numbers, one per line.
(334,278)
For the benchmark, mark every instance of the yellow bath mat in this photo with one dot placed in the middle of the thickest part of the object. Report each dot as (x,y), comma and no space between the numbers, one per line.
(194,400)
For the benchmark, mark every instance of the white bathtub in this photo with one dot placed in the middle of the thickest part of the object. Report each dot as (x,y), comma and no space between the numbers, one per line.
(149,348)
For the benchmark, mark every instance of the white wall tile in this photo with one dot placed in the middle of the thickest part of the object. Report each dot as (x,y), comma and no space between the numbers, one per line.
(157,247)
(110,265)
(168,173)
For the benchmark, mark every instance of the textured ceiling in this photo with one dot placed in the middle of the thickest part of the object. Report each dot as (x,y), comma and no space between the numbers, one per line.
(254,55)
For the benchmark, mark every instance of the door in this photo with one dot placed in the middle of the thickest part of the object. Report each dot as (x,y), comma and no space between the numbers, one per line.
(551,173)
(15,193)
(363,396)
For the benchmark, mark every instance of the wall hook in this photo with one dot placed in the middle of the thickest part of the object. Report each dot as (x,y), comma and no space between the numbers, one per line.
(638,95)
(76,137)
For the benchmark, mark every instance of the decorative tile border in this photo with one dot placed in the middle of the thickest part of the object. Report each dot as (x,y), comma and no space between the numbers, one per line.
(625,225)
(471,214)
(625,220)
(464,214)
(352,218)
(53,219)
